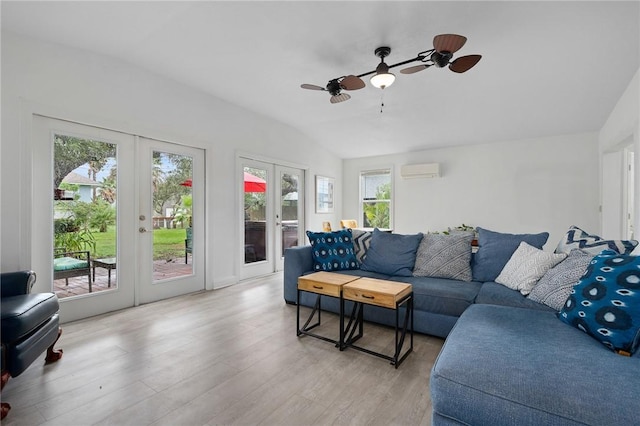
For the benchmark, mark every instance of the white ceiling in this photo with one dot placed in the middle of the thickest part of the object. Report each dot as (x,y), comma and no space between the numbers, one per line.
(548,68)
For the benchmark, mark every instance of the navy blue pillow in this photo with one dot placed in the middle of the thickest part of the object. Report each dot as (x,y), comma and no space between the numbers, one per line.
(605,303)
(391,254)
(495,250)
(332,251)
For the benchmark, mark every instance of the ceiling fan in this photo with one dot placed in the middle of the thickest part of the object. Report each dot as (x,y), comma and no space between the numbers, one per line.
(444,46)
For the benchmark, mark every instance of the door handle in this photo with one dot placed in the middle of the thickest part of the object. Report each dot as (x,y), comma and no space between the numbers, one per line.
(142,230)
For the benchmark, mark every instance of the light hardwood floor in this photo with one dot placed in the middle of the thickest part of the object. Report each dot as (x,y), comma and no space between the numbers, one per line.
(229,356)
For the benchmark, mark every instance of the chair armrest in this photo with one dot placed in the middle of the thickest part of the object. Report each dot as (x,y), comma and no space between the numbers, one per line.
(16,283)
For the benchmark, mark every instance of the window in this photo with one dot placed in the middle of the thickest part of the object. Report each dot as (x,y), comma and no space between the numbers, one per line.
(375,194)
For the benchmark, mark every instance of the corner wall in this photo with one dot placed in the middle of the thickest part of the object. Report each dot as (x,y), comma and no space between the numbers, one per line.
(524,186)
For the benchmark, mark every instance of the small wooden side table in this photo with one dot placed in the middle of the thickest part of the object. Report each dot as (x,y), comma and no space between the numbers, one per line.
(322,284)
(386,294)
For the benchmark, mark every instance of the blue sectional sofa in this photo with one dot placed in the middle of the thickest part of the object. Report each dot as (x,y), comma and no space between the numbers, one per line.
(507,360)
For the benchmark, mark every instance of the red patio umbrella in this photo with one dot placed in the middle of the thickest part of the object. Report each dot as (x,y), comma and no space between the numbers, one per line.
(254,183)
(251,183)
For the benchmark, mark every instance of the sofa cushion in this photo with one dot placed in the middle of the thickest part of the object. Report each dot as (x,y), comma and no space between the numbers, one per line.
(502,365)
(24,313)
(577,238)
(495,249)
(391,254)
(526,266)
(444,256)
(361,243)
(606,301)
(492,293)
(554,287)
(441,295)
(332,251)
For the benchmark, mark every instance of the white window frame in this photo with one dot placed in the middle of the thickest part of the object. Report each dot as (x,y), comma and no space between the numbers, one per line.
(362,201)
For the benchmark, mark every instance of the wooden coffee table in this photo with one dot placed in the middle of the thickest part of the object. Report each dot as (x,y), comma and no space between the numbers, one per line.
(322,284)
(383,293)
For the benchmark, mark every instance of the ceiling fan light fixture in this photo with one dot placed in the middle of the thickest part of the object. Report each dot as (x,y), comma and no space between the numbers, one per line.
(382,78)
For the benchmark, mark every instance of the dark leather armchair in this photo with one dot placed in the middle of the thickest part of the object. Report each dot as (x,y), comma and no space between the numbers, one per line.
(29,325)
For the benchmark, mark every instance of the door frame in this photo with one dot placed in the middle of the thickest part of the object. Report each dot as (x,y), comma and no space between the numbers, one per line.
(241,158)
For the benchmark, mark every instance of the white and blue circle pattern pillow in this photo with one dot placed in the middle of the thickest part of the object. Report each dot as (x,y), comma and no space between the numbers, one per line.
(333,251)
(605,303)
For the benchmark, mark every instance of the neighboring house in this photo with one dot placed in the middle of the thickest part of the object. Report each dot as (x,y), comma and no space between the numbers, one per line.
(85,186)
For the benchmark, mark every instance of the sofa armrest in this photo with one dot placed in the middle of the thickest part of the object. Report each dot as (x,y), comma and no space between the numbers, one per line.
(297,262)
(16,283)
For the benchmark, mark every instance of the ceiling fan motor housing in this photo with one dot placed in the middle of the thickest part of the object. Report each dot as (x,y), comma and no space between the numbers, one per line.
(441,59)
(333,87)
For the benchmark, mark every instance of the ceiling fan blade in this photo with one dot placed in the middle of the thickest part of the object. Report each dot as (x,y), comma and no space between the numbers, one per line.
(414,69)
(448,42)
(312,87)
(339,98)
(464,63)
(351,82)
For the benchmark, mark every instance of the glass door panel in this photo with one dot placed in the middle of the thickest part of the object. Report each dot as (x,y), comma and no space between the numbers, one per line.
(255,214)
(85,219)
(172,181)
(290,210)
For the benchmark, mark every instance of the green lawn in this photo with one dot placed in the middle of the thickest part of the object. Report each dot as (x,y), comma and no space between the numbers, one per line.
(167,243)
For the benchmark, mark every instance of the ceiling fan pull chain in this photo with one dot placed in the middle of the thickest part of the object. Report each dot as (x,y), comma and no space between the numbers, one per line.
(381,101)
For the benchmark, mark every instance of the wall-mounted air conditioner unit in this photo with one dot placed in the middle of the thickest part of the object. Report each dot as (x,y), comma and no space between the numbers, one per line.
(431,170)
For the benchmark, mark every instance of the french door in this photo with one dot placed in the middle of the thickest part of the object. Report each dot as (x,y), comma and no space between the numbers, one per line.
(171,201)
(272,215)
(110,218)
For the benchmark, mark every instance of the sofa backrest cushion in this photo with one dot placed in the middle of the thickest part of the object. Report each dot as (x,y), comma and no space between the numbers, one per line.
(444,256)
(332,251)
(606,301)
(391,254)
(495,250)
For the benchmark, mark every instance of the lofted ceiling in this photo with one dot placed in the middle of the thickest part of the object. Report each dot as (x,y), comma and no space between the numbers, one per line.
(548,68)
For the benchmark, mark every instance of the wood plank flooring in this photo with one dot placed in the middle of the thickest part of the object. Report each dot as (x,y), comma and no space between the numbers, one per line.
(228,356)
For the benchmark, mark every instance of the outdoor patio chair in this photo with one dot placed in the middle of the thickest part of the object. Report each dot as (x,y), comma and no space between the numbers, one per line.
(69,264)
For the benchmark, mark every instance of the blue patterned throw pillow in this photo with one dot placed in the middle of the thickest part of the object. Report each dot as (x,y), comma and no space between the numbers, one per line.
(576,238)
(332,251)
(606,301)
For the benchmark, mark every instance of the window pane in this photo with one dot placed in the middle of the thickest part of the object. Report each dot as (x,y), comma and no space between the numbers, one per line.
(375,190)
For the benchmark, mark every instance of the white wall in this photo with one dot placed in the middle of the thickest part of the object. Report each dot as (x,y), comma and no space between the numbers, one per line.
(621,129)
(82,86)
(524,186)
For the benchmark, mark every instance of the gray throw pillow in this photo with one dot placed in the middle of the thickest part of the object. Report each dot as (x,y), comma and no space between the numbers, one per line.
(526,266)
(554,287)
(361,243)
(444,256)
